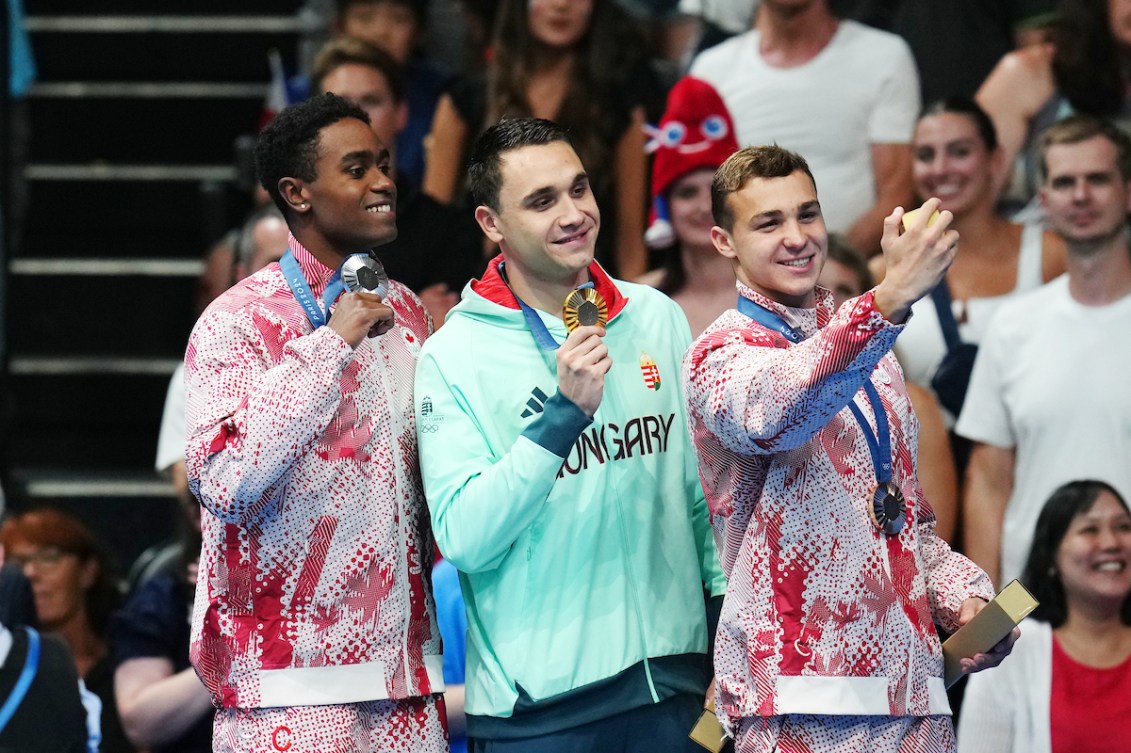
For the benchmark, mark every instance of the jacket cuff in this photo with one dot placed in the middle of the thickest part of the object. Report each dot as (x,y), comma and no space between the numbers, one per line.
(559,426)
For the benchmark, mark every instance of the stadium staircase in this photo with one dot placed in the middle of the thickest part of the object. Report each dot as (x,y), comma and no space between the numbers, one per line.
(131,177)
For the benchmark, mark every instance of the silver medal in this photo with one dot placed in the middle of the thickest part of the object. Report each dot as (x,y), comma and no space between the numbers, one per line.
(363,273)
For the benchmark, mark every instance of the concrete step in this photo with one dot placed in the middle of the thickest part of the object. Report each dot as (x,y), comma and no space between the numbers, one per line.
(233,55)
(84,422)
(130,130)
(133,219)
(116,315)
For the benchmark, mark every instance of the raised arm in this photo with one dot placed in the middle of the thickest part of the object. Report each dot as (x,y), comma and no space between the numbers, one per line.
(891,124)
(1013,93)
(760,396)
(631,182)
(443,162)
(891,168)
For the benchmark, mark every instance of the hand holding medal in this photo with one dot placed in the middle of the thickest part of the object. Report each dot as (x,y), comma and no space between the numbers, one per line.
(361,273)
(583,360)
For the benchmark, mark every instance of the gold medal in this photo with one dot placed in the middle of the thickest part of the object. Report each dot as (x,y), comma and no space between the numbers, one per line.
(888,510)
(584,307)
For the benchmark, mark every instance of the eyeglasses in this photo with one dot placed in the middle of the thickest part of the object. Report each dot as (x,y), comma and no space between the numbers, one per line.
(46,558)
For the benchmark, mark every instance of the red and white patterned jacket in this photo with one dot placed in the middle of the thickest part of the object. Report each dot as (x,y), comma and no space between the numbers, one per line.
(314,575)
(824,613)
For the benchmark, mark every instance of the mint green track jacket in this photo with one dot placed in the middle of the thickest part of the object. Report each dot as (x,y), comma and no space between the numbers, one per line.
(584,547)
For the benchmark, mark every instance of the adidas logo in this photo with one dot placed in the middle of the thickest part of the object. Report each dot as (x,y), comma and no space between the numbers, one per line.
(536,404)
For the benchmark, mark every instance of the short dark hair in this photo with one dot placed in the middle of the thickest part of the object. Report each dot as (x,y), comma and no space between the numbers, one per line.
(1041,576)
(288,146)
(968,108)
(419,8)
(746,164)
(346,50)
(1077,128)
(484,167)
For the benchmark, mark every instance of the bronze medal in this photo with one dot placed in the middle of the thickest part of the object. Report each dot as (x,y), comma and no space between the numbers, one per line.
(888,509)
(363,273)
(584,307)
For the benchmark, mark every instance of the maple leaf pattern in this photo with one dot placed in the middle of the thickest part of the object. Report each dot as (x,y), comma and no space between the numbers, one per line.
(302,451)
(814,589)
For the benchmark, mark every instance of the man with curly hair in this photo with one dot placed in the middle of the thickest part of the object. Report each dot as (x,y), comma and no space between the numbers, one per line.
(314,627)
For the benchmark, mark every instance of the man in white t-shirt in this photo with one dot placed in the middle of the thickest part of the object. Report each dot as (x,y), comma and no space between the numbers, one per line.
(844,95)
(1048,400)
(731,16)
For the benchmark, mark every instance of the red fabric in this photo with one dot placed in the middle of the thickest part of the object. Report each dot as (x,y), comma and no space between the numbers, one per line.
(302,451)
(813,589)
(495,289)
(1090,709)
(695,131)
(413,725)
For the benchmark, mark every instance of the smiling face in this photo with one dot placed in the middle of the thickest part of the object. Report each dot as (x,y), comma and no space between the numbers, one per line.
(778,241)
(547,221)
(689,204)
(351,204)
(1094,557)
(559,24)
(1085,198)
(952,162)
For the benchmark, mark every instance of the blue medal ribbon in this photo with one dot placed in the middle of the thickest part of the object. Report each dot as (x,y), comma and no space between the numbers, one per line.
(879,443)
(768,319)
(537,327)
(318,315)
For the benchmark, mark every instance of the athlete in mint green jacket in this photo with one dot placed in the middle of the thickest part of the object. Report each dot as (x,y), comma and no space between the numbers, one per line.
(582,542)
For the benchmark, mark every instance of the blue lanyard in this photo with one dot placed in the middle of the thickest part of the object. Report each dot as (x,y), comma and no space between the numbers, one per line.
(768,319)
(879,443)
(305,296)
(23,682)
(537,327)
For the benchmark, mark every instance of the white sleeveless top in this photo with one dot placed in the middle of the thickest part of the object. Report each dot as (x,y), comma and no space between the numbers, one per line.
(921,346)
